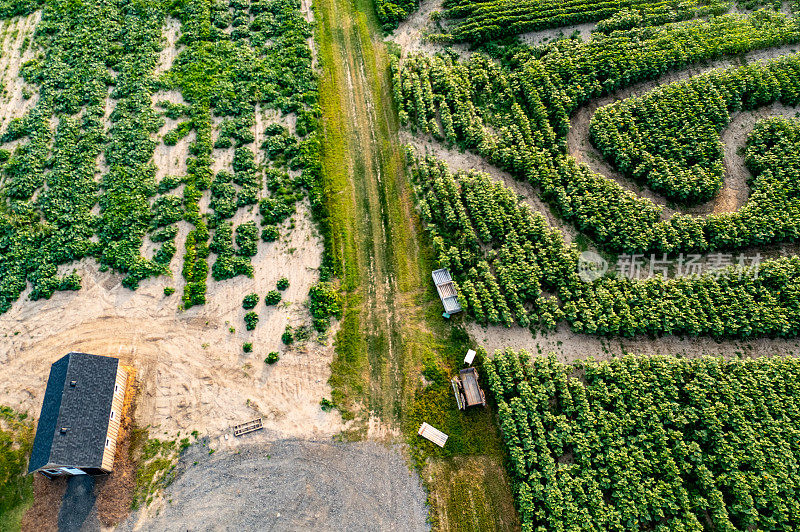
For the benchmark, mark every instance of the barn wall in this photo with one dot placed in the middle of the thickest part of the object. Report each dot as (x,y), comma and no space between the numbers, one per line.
(114,424)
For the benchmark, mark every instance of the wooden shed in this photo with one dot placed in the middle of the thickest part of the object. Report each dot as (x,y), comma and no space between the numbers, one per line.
(447,291)
(80,419)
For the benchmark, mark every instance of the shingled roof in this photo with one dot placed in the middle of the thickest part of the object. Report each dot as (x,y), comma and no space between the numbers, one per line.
(78,398)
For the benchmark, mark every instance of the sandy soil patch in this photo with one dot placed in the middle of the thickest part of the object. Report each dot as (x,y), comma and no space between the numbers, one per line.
(172,32)
(17,36)
(194,374)
(171,160)
(544,36)
(291,485)
(569,346)
(735,192)
(411,33)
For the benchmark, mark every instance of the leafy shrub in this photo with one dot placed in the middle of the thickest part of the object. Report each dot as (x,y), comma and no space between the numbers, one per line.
(180,131)
(283,283)
(272,357)
(326,404)
(270,233)
(325,301)
(288,335)
(169,290)
(247,239)
(247,347)
(250,301)
(251,320)
(273,297)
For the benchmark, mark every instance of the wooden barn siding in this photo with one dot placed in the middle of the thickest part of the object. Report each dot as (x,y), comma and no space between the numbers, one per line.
(113,425)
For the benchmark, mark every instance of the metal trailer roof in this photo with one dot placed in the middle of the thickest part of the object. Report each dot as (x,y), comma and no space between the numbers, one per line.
(447,290)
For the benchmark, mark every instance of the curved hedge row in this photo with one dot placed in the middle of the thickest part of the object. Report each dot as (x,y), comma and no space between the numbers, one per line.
(669,137)
(481,21)
(510,267)
(516,115)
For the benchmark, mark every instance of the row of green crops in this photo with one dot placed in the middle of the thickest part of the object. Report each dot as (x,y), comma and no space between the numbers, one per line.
(669,138)
(651,443)
(88,52)
(516,115)
(511,268)
(239,58)
(486,20)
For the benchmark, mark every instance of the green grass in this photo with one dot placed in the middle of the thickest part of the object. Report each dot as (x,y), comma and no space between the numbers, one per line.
(16,486)
(386,341)
(157,460)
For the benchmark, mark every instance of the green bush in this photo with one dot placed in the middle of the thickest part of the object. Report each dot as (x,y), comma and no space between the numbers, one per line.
(273,297)
(168,290)
(272,357)
(251,320)
(325,301)
(247,239)
(250,301)
(288,335)
(270,233)
(283,283)
(247,347)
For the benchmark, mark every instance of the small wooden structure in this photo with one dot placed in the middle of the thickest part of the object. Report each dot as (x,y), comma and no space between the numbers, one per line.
(435,435)
(466,389)
(251,426)
(447,291)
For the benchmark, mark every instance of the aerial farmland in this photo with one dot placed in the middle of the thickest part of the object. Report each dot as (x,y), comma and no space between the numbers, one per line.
(399,265)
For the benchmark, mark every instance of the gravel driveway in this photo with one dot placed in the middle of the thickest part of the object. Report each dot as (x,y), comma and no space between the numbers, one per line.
(293,485)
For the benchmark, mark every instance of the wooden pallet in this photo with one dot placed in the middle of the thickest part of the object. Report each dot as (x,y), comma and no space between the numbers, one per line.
(436,436)
(250,426)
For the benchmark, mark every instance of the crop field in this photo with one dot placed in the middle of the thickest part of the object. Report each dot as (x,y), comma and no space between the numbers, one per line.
(611,178)
(657,443)
(244,199)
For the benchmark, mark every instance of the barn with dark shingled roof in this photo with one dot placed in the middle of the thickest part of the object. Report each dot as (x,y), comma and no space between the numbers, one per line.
(80,418)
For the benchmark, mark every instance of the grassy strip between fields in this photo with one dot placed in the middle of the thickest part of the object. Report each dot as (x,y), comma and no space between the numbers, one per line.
(16,486)
(366,185)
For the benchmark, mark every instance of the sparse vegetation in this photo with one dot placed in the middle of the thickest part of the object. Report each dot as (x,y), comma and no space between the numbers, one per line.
(251,320)
(157,460)
(16,489)
(250,301)
(288,335)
